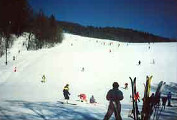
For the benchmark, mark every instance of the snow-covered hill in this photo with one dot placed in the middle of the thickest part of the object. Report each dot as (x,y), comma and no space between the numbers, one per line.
(23,96)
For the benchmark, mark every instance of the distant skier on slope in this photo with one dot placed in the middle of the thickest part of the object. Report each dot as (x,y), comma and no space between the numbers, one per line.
(126,86)
(92,99)
(114,96)
(15,69)
(164,100)
(83,97)
(66,92)
(139,62)
(13,57)
(83,69)
(169,99)
(43,79)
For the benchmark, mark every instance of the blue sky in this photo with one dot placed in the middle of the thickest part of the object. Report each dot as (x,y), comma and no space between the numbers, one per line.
(158,17)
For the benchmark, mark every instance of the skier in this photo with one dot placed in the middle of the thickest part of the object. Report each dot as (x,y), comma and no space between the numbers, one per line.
(83,97)
(66,92)
(114,96)
(13,57)
(83,69)
(43,79)
(92,99)
(139,62)
(153,61)
(126,86)
(118,45)
(15,69)
(169,99)
(164,100)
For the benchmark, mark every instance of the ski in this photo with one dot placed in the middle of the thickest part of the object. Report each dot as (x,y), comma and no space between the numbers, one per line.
(133,85)
(145,114)
(66,103)
(157,97)
(135,97)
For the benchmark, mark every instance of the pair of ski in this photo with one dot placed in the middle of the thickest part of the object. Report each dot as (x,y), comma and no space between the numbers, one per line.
(146,108)
(67,103)
(157,110)
(135,110)
(151,104)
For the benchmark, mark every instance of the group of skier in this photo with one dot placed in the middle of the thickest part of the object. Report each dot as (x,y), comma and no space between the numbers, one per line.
(82,96)
(114,96)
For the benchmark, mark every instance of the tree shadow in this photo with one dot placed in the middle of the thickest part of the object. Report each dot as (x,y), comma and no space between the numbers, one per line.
(16,109)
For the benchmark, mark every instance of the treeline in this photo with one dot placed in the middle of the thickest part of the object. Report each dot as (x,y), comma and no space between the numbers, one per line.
(112,33)
(17,17)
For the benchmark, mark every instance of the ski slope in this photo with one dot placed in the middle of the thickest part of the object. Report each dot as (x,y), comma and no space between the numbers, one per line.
(23,96)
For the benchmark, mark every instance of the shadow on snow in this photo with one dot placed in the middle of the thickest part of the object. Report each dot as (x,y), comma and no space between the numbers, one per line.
(14,109)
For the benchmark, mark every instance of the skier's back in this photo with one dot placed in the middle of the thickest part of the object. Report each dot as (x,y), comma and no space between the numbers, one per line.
(114,96)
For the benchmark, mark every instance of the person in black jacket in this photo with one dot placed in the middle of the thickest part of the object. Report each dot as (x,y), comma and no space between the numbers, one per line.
(66,92)
(114,96)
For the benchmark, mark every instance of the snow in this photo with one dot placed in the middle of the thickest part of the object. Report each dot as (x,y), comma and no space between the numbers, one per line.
(23,96)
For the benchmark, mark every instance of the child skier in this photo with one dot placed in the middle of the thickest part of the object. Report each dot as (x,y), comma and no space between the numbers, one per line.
(15,69)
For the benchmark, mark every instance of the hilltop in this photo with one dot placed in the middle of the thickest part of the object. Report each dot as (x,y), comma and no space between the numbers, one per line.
(112,33)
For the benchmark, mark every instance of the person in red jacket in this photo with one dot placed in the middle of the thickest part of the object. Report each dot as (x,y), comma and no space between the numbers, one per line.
(83,97)
(137,97)
(114,96)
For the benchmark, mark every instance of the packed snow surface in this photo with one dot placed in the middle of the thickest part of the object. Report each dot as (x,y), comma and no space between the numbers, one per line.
(89,66)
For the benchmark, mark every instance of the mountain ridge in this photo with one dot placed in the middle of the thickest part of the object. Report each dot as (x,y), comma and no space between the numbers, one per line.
(112,33)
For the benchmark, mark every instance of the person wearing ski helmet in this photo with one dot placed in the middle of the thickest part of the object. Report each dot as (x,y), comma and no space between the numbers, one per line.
(114,96)
(66,92)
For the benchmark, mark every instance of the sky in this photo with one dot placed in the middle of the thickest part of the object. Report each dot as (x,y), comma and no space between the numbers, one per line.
(158,17)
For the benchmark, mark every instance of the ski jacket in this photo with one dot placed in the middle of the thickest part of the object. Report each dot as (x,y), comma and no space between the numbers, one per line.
(66,92)
(114,95)
(82,96)
(136,96)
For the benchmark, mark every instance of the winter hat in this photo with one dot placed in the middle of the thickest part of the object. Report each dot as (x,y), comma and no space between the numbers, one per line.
(115,85)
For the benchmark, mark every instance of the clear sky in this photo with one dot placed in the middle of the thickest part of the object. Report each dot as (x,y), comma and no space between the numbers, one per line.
(158,17)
